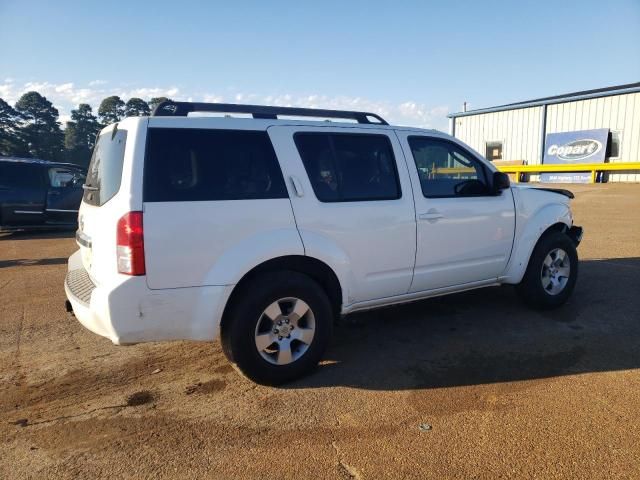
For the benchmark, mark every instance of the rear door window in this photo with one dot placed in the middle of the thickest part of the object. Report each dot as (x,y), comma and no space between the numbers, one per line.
(105,169)
(199,165)
(345,167)
(20,175)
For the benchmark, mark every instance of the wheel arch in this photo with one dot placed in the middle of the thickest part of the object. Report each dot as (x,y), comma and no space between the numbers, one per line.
(553,217)
(314,268)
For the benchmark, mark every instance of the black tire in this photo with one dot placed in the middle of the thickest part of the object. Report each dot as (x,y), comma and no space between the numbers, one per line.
(531,289)
(238,334)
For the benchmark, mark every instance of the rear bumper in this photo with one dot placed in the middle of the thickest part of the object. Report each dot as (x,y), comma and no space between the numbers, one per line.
(575,233)
(127,311)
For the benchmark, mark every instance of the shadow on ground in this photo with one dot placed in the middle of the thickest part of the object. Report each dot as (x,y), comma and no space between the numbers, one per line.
(38,234)
(29,262)
(487,336)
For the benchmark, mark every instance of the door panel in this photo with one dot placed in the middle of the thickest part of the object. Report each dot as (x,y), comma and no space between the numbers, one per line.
(64,195)
(361,227)
(464,232)
(23,191)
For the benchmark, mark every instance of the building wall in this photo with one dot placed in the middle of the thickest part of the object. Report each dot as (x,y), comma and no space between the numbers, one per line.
(520,129)
(618,113)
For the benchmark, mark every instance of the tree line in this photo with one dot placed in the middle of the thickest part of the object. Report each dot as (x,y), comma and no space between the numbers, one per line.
(31,128)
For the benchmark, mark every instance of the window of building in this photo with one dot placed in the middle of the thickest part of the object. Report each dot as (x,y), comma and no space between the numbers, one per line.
(349,167)
(493,151)
(447,170)
(198,165)
(613,145)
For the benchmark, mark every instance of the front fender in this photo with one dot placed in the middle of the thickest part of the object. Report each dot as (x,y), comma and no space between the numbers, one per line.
(530,225)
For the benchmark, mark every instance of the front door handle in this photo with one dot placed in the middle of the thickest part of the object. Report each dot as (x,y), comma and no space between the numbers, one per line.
(432,215)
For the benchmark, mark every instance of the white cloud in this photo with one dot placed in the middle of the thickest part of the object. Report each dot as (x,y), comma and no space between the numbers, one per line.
(67,96)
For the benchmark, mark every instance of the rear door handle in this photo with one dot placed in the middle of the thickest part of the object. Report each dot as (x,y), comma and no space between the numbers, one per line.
(431,215)
(297,186)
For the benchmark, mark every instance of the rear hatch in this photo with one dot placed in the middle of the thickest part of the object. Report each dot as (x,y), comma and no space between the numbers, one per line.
(99,211)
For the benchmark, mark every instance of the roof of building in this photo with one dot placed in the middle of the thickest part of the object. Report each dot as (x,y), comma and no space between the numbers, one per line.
(566,97)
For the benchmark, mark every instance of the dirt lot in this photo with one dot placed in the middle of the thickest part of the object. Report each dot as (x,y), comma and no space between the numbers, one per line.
(507,392)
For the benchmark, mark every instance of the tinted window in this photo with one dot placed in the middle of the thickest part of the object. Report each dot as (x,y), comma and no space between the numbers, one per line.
(20,175)
(196,165)
(64,177)
(105,169)
(349,167)
(446,170)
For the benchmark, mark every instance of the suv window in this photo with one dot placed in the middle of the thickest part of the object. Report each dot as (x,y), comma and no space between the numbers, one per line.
(105,168)
(447,170)
(345,167)
(198,165)
(20,175)
(62,177)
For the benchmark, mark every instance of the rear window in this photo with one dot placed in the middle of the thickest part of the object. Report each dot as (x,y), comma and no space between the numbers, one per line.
(199,165)
(105,169)
(349,167)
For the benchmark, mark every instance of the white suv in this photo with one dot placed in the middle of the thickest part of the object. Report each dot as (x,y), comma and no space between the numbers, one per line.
(265,229)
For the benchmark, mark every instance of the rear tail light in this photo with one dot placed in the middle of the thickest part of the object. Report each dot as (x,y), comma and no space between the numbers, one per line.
(130,244)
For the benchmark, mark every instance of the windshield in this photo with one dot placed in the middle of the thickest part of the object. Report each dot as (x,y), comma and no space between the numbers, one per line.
(105,168)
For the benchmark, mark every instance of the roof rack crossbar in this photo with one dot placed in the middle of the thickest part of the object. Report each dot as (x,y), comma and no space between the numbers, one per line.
(182,109)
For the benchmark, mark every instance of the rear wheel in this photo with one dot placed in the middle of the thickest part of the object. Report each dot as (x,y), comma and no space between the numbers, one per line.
(278,328)
(552,272)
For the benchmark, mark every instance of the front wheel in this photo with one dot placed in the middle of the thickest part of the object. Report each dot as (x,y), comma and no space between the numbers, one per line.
(552,272)
(279,327)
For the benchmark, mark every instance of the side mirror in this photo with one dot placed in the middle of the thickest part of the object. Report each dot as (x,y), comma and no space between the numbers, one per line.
(500,182)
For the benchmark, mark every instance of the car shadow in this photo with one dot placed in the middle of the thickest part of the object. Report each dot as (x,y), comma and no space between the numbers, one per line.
(28,262)
(38,234)
(487,336)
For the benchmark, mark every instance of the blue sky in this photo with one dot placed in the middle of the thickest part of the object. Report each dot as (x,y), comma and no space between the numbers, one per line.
(412,61)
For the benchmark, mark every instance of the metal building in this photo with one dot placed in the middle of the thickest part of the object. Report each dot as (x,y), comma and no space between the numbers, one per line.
(519,132)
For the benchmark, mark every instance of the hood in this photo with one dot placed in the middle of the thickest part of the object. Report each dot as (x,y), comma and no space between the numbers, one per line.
(559,191)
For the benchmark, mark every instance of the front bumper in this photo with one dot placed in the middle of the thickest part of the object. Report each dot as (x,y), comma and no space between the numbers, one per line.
(575,233)
(128,312)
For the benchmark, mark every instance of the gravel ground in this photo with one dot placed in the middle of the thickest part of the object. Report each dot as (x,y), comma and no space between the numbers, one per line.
(473,385)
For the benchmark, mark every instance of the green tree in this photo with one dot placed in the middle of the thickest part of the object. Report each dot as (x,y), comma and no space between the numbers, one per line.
(40,130)
(111,110)
(80,135)
(10,142)
(136,107)
(155,101)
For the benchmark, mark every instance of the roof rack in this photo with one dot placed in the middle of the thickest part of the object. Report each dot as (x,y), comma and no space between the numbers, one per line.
(182,109)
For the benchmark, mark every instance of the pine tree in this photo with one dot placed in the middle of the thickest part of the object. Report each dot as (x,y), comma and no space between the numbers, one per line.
(136,107)
(10,141)
(80,135)
(111,110)
(155,101)
(40,130)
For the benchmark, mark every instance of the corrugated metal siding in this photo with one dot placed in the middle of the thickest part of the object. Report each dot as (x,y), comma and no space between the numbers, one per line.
(518,130)
(618,113)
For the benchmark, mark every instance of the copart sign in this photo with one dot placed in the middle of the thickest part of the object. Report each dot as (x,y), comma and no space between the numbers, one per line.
(583,146)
